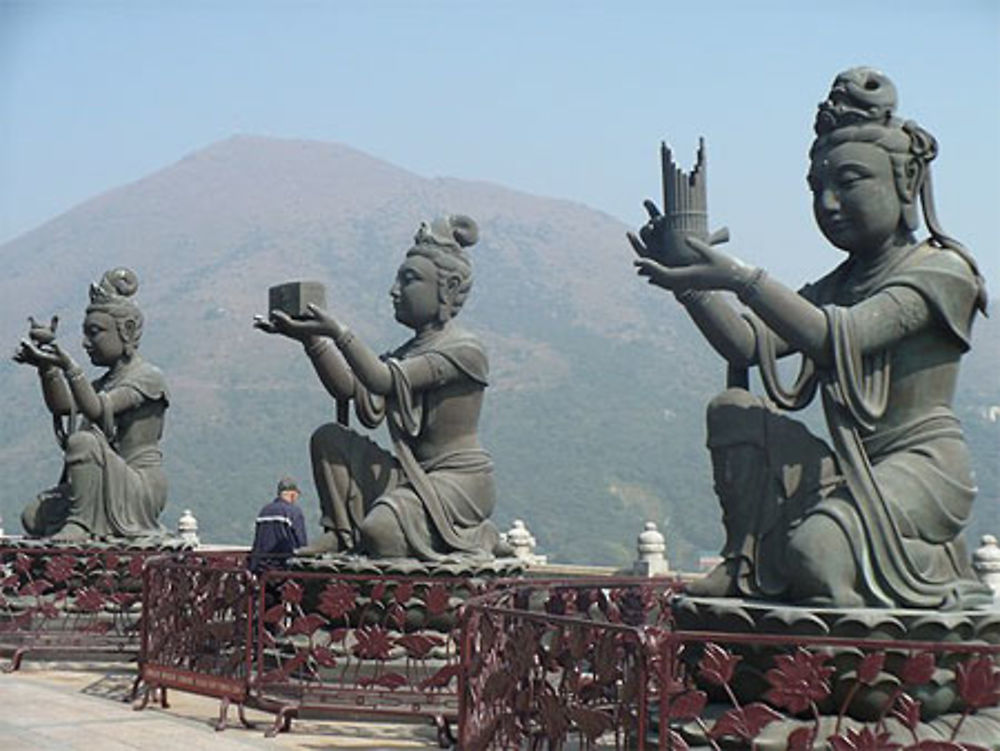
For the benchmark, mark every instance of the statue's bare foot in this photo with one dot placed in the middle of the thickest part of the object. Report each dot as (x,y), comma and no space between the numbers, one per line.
(71,532)
(719,582)
(328,542)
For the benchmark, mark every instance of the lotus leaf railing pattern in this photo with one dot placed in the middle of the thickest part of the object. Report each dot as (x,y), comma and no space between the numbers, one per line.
(70,598)
(602,664)
(294,640)
(197,629)
(377,644)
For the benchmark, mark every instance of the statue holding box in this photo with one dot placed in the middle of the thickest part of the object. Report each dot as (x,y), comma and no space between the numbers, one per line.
(876,519)
(431,497)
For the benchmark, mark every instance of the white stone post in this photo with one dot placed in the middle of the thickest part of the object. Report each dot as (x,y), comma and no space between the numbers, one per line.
(651,547)
(187,528)
(986,562)
(523,543)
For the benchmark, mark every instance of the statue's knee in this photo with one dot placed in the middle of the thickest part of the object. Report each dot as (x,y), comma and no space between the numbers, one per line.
(31,519)
(822,560)
(381,534)
(328,439)
(82,446)
(735,417)
(816,539)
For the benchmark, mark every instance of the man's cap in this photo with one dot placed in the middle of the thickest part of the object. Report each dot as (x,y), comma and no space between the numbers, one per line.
(287,483)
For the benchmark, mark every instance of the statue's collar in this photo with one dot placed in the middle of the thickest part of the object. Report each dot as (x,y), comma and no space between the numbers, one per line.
(863,274)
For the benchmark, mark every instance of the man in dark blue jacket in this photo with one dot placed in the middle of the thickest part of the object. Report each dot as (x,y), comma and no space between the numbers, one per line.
(280,529)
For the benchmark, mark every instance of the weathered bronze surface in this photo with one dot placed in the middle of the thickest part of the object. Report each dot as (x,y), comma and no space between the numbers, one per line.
(113,484)
(877,519)
(431,497)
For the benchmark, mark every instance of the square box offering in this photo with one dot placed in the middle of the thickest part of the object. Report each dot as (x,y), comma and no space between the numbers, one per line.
(294,298)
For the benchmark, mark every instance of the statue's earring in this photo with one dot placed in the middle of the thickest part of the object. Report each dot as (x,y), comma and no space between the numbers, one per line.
(449,288)
(127,333)
(913,178)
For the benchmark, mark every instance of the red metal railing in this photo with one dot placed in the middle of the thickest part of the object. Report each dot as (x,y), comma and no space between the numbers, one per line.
(605,664)
(70,599)
(328,642)
(197,628)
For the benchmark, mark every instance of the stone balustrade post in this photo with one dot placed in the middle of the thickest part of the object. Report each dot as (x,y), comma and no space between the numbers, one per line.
(652,548)
(986,563)
(187,528)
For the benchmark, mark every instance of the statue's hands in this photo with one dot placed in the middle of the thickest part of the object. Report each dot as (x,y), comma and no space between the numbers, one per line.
(42,355)
(713,270)
(279,322)
(666,246)
(327,324)
(319,323)
(659,242)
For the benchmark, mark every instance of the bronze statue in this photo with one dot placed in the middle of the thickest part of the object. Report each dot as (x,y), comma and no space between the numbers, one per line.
(877,520)
(433,495)
(113,484)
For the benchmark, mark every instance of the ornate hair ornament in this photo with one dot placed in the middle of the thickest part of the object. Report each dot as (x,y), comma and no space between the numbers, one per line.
(858,96)
(115,286)
(456,231)
(113,295)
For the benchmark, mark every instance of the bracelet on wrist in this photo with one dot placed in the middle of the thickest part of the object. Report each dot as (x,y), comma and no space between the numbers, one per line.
(748,290)
(74,373)
(689,296)
(345,337)
(316,346)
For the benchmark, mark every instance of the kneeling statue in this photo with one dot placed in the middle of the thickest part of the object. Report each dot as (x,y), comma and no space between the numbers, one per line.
(877,520)
(113,484)
(433,495)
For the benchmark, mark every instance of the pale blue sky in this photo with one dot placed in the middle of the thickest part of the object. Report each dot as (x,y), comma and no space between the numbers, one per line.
(567,99)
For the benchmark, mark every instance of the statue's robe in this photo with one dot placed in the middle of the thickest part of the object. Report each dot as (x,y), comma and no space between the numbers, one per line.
(442,503)
(113,482)
(901,493)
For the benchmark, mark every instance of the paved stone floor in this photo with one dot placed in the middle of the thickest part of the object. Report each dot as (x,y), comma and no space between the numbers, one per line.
(84,708)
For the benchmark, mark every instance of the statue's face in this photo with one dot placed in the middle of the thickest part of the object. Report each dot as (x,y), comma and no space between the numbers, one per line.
(855,200)
(101,339)
(415,292)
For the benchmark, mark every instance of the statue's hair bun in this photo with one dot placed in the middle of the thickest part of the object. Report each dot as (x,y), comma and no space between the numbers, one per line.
(123,281)
(464,229)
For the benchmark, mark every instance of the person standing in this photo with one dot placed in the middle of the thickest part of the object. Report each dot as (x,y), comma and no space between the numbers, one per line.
(279,530)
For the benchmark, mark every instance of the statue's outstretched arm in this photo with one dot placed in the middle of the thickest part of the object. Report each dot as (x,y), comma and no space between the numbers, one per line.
(724,328)
(55,391)
(424,371)
(333,371)
(43,357)
(880,321)
(793,318)
(721,324)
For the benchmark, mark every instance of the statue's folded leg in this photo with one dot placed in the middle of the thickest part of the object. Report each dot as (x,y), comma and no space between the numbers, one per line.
(85,475)
(74,508)
(822,558)
(350,472)
(46,514)
(769,471)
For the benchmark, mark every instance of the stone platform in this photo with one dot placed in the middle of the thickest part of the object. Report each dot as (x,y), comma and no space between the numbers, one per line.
(84,707)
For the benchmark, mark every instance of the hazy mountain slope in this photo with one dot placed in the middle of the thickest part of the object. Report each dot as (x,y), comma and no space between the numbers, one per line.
(599,382)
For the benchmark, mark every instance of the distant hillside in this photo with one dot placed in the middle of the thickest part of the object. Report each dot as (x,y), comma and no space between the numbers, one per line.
(595,416)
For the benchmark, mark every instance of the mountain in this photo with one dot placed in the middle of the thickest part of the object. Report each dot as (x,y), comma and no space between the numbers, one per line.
(595,414)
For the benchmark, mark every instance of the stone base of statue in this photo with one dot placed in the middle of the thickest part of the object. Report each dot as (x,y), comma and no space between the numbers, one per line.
(165,543)
(457,565)
(908,674)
